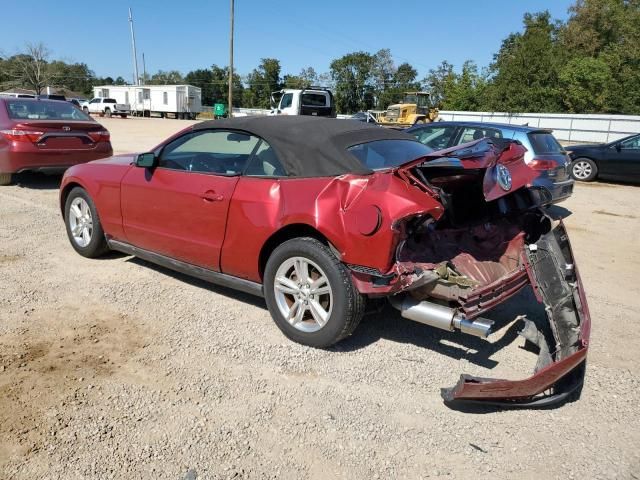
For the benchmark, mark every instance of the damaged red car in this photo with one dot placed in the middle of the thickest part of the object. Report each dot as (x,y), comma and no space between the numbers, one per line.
(319,216)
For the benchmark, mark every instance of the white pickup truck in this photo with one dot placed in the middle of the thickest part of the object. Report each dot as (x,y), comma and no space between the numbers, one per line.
(315,101)
(106,107)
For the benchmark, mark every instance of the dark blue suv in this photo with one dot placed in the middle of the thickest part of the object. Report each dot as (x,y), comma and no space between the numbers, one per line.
(544,154)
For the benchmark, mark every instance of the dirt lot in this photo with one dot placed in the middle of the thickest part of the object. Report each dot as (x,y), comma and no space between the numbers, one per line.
(114,368)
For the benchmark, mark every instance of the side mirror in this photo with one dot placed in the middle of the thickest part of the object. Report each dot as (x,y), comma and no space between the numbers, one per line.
(147,160)
(618,147)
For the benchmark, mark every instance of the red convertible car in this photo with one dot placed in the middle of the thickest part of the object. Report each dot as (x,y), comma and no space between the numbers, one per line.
(320,215)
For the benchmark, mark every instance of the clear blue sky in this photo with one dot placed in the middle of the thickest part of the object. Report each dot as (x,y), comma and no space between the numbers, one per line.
(190,34)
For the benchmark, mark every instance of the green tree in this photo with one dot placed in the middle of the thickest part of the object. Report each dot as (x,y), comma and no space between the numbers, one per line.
(214,85)
(440,82)
(261,82)
(401,80)
(305,79)
(354,86)
(161,77)
(73,77)
(203,79)
(525,70)
(608,33)
(584,82)
(467,92)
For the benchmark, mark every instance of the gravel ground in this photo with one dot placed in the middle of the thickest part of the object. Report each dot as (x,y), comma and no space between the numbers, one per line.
(115,368)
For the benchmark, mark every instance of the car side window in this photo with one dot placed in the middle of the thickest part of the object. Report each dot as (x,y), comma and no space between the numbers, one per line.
(435,137)
(221,152)
(631,144)
(265,163)
(469,134)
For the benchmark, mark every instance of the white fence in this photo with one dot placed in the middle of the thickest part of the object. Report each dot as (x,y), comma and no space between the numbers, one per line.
(566,127)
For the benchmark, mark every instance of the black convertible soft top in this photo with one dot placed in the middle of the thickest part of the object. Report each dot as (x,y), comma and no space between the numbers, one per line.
(311,146)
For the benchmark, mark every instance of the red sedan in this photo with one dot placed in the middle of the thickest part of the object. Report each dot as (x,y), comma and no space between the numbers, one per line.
(320,215)
(47,135)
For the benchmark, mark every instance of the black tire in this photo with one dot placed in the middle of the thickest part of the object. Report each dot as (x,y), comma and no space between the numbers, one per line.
(584,170)
(97,246)
(107,112)
(348,304)
(85,110)
(5,178)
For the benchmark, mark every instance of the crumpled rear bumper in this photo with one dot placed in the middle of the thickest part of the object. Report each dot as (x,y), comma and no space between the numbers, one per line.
(556,283)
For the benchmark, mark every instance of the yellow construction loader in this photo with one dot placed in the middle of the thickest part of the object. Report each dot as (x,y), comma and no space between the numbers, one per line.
(416,107)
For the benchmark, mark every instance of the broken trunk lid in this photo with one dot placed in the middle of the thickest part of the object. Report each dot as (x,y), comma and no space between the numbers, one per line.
(502,161)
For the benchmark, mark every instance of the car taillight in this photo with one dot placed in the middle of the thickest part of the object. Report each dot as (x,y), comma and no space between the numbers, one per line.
(22,135)
(539,164)
(100,136)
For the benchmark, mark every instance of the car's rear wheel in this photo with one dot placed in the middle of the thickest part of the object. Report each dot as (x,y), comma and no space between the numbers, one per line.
(310,294)
(584,169)
(5,178)
(107,112)
(83,224)
(85,110)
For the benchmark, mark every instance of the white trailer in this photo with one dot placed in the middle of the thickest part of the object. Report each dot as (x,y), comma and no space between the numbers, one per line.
(179,101)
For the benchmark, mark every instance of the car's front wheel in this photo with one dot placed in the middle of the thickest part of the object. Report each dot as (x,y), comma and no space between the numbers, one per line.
(310,294)
(83,224)
(584,169)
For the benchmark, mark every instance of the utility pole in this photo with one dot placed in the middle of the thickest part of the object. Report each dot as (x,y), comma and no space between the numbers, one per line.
(230,114)
(136,78)
(144,69)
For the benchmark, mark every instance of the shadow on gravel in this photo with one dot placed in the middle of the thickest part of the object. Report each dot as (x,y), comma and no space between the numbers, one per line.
(37,180)
(388,324)
(196,282)
(557,211)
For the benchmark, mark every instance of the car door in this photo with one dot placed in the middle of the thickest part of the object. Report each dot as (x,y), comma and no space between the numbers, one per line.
(94,105)
(436,136)
(179,208)
(288,104)
(623,160)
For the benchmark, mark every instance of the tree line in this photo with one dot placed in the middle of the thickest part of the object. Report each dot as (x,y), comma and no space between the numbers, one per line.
(587,64)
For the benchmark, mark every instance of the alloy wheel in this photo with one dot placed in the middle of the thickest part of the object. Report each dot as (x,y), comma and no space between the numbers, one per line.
(80,222)
(303,294)
(582,170)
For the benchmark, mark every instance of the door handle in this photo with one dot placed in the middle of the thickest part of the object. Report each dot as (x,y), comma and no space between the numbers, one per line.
(211,196)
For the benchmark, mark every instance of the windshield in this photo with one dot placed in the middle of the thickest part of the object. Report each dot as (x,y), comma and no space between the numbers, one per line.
(382,154)
(44,110)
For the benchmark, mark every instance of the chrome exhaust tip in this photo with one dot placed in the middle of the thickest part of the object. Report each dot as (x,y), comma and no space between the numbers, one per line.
(440,316)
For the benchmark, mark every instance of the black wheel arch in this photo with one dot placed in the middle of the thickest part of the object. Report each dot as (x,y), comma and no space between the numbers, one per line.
(64,193)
